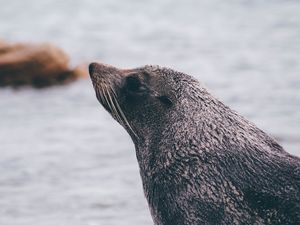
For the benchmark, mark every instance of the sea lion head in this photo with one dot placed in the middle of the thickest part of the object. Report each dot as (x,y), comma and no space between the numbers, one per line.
(142,99)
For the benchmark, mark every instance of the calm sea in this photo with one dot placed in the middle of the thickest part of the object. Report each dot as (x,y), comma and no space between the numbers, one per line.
(64,161)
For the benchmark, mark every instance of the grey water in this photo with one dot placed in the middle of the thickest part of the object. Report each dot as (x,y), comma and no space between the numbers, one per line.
(64,161)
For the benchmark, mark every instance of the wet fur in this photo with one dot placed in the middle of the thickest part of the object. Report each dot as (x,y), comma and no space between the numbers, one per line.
(201,162)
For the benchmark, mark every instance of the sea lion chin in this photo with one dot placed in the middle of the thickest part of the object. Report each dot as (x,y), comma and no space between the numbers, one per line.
(200,162)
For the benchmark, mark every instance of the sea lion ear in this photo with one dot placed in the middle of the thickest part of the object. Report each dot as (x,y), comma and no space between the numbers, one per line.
(165,100)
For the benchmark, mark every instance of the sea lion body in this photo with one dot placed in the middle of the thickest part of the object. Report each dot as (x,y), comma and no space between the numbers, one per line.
(200,162)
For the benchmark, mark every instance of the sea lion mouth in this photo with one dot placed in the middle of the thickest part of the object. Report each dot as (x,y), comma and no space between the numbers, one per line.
(106,93)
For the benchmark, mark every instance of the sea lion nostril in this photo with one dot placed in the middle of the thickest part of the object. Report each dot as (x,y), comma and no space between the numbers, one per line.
(92,67)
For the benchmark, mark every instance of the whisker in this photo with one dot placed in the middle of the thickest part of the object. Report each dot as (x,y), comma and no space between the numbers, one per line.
(107,96)
(115,111)
(106,99)
(121,113)
(101,95)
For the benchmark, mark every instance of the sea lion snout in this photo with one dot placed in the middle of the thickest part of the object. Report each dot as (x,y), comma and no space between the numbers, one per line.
(102,71)
(92,68)
(99,69)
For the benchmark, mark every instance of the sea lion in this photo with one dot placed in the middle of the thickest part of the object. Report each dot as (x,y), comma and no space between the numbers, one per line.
(200,162)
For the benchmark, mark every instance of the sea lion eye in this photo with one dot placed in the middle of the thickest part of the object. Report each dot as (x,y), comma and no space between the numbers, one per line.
(133,84)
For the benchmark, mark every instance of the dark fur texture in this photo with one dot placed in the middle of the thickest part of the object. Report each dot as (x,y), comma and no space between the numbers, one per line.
(200,162)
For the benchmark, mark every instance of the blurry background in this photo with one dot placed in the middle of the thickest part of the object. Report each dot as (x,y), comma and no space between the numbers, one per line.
(64,161)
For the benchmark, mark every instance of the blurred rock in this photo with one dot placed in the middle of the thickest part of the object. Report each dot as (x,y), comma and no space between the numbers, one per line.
(2,44)
(39,65)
